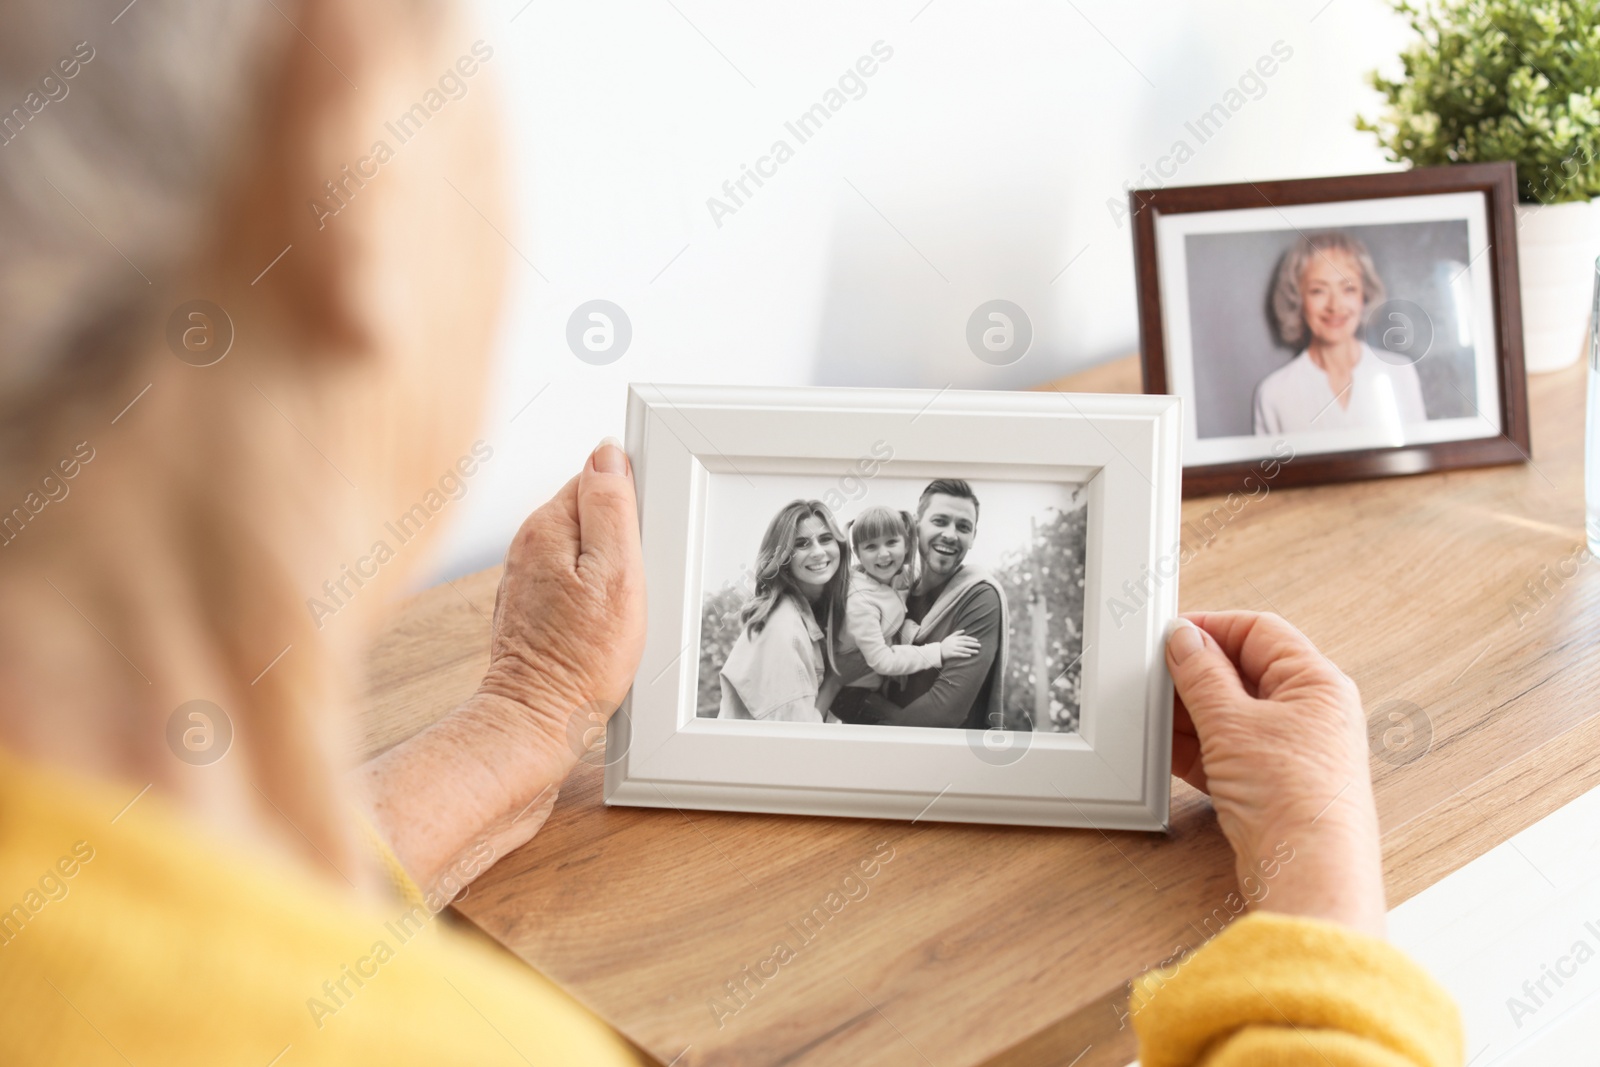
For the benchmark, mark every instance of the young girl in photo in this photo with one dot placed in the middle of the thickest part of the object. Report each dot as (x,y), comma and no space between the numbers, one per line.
(876,642)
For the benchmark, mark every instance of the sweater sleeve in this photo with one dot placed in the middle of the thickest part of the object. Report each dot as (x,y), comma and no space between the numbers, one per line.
(1273,989)
(866,626)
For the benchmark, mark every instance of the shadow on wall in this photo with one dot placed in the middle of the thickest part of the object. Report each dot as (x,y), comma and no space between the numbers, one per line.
(900,287)
(1235,338)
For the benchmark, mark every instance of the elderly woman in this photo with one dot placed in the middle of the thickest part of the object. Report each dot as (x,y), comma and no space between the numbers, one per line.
(1325,287)
(778,667)
(210,883)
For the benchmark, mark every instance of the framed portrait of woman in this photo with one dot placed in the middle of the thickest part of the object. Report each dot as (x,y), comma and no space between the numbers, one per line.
(903,604)
(1333,329)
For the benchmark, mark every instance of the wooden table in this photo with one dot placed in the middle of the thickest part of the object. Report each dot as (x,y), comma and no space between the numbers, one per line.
(1012,946)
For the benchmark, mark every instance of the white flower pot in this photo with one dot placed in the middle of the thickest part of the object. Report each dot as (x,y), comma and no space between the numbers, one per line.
(1556,249)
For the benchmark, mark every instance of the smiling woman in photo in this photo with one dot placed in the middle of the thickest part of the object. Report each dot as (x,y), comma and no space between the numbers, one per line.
(779,668)
(1325,288)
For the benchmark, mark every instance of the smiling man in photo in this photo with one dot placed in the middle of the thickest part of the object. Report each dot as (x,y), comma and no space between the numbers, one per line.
(948,597)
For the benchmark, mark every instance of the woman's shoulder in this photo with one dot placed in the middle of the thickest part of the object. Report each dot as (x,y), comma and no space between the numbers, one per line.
(1291,370)
(1283,383)
(159,901)
(789,619)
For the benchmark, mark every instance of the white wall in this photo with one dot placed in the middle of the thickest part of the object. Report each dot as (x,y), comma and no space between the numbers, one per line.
(1515,937)
(978,164)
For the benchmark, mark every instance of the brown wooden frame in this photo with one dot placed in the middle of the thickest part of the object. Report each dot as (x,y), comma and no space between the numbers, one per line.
(1496,181)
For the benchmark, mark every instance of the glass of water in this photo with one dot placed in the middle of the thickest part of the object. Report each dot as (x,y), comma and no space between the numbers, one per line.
(1591,454)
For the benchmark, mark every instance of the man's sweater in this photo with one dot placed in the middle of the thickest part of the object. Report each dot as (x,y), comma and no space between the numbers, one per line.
(964,692)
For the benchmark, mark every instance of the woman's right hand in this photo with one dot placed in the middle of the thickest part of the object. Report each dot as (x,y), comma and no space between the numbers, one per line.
(1275,732)
(568,631)
(569,617)
(959,646)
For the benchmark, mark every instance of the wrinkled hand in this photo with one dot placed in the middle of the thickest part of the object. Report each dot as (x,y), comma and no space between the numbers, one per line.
(569,618)
(1267,725)
(569,624)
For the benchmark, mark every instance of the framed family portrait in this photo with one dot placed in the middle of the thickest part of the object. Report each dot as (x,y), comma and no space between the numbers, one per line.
(903,604)
(1335,328)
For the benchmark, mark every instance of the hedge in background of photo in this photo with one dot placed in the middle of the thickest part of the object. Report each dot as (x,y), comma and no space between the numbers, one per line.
(1044,585)
(1518,81)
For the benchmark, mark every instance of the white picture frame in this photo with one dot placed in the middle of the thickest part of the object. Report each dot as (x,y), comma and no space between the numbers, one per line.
(1113,772)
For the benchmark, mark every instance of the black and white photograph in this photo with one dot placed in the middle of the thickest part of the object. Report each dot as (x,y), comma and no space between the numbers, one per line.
(1333,317)
(938,602)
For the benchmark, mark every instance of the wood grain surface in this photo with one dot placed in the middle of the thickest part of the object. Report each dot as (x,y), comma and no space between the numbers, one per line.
(1458,593)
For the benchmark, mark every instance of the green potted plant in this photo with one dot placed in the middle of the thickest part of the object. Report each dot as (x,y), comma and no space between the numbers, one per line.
(1514,80)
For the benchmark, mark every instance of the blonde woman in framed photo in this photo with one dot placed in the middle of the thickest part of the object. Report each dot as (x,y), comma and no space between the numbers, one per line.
(780,668)
(1324,290)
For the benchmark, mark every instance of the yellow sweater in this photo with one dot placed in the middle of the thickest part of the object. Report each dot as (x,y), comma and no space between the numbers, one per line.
(148,941)
(129,935)
(1274,991)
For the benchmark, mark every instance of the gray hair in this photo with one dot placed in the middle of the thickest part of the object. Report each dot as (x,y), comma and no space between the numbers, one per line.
(1288,305)
(114,135)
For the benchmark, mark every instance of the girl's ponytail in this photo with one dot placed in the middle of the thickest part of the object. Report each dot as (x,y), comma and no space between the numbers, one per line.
(913,565)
